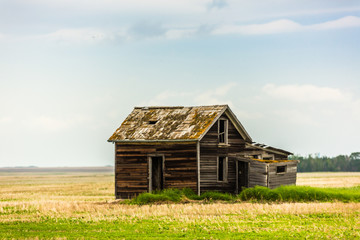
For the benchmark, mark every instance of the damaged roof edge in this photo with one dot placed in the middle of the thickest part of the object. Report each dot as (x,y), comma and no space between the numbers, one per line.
(239,126)
(274,150)
(152,141)
(156,107)
(214,121)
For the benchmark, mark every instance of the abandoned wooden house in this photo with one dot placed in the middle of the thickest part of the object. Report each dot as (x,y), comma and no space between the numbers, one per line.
(203,148)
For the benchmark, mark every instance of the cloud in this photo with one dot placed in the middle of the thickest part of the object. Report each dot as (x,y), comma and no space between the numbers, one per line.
(217,4)
(345,22)
(82,35)
(171,31)
(305,93)
(124,5)
(179,33)
(285,26)
(168,98)
(56,124)
(5,120)
(147,29)
(215,96)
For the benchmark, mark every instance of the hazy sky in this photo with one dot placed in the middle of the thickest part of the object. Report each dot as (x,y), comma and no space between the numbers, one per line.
(71,71)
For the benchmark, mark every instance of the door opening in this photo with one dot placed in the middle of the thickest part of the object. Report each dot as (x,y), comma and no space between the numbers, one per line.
(157,173)
(242,175)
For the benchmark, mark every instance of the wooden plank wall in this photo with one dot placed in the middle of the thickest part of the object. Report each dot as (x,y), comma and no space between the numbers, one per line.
(210,150)
(258,174)
(131,166)
(287,178)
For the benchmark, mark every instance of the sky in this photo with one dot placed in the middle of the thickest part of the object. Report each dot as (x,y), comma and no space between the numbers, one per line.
(71,71)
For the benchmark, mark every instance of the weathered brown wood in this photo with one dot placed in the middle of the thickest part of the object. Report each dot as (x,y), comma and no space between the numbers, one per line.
(210,149)
(132,169)
(187,163)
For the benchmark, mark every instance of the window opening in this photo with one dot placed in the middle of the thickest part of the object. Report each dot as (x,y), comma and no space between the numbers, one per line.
(280,169)
(222,131)
(152,122)
(222,171)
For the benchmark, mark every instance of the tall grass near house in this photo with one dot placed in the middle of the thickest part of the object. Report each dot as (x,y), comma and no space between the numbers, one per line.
(262,194)
(301,194)
(177,195)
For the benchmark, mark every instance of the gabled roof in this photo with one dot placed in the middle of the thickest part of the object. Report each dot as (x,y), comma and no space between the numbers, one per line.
(173,123)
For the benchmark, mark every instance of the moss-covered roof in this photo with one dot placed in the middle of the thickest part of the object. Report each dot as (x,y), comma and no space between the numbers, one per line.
(167,123)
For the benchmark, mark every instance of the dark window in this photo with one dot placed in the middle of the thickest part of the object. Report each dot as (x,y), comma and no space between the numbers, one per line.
(222,131)
(152,122)
(222,171)
(280,169)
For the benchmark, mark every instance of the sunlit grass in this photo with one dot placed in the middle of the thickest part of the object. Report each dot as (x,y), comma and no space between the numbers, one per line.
(59,206)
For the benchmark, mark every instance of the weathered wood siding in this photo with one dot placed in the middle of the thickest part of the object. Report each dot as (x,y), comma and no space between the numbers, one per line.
(132,169)
(210,150)
(258,174)
(286,178)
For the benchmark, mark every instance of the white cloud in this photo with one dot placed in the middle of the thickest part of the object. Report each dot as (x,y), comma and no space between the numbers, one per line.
(345,22)
(55,124)
(85,35)
(285,25)
(151,30)
(6,120)
(126,5)
(168,98)
(305,93)
(217,4)
(278,26)
(215,96)
(158,31)
(218,95)
(179,33)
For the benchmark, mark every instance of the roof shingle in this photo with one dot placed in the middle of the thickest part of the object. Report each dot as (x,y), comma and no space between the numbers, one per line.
(167,123)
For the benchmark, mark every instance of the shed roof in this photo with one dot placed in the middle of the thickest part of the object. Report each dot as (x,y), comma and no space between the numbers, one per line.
(172,123)
(267,148)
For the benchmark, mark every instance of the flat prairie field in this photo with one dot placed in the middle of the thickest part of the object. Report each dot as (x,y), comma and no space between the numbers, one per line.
(81,205)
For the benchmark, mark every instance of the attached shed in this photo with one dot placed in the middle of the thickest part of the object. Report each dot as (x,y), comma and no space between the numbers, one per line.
(203,148)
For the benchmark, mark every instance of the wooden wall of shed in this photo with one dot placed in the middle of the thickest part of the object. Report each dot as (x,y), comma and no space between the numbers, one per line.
(286,178)
(210,149)
(132,170)
(258,174)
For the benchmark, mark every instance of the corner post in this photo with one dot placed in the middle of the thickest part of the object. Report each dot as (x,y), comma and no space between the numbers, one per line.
(198,166)
(116,195)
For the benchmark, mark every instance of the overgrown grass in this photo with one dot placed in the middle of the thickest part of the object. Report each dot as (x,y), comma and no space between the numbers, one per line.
(280,194)
(301,194)
(177,195)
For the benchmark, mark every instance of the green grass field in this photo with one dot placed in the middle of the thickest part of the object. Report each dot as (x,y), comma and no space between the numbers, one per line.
(81,205)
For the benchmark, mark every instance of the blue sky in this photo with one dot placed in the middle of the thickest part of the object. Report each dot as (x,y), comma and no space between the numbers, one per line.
(71,71)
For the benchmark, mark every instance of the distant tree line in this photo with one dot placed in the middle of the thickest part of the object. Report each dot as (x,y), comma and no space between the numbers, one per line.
(316,163)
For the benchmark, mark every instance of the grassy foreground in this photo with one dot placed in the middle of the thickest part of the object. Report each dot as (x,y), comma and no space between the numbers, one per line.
(259,194)
(73,206)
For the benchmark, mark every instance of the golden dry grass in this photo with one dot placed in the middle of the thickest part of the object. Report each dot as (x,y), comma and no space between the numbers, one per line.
(90,197)
(329,179)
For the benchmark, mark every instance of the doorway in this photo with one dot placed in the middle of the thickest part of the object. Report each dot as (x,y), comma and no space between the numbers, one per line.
(156,173)
(242,175)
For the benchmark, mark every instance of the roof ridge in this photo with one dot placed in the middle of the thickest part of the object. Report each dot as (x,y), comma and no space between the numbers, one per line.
(174,107)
